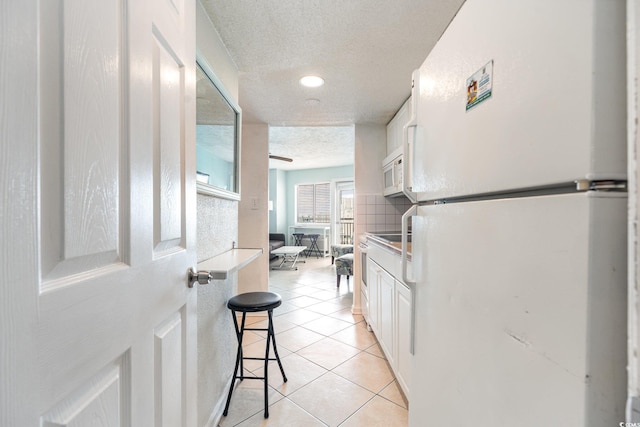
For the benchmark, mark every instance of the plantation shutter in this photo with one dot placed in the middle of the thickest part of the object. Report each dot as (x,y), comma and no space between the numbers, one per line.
(313,203)
(323,203)
(305,203)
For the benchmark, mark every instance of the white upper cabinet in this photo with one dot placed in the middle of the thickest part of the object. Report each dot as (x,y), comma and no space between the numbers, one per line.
(396,125)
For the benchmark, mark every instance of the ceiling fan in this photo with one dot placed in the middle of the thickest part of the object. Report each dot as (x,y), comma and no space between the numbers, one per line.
(284,159)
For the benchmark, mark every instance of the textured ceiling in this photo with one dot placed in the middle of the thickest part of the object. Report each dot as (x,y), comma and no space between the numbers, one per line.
(311,147)
(364,49)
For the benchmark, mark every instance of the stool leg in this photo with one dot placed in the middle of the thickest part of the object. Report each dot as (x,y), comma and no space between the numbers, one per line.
(275,348)
(240,335)
(270,338)
(239,362)
(314,248)
(266,372)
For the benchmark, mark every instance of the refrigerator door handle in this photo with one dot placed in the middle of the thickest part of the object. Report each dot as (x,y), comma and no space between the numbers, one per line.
(412,211)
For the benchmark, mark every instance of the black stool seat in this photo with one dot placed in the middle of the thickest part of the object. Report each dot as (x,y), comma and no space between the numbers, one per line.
(255,301)
(251,302)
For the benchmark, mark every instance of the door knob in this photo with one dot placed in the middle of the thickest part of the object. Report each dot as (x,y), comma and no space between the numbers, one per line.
(203,277)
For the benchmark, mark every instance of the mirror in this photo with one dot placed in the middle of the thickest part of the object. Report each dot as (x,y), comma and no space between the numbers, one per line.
(218,120)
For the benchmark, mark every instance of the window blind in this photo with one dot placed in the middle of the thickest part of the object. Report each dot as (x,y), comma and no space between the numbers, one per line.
(313,203)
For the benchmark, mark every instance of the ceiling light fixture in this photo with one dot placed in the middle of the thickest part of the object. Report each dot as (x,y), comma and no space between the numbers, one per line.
(312,81)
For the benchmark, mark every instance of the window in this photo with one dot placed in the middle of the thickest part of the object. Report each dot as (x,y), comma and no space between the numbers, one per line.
(313,203)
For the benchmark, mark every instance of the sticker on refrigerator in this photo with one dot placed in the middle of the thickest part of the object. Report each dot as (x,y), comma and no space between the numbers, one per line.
(479,85)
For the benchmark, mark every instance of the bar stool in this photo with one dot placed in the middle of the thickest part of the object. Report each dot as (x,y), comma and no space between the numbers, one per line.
(252,302)
(298,238)
(313,247)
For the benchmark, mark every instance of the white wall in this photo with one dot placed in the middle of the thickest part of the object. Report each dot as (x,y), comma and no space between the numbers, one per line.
(273,196)
(277,194)
(281,205)
(253,209)
(369,151)
(217,230)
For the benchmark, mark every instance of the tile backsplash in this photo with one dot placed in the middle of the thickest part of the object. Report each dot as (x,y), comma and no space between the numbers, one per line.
(375,212)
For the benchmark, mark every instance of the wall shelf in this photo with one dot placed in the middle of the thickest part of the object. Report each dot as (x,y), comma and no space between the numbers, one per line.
(221,266)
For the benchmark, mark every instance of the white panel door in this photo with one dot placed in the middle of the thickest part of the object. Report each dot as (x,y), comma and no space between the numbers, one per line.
(98,218)
(521,311)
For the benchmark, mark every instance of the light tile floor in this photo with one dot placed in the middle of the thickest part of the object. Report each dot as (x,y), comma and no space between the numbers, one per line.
(337,373)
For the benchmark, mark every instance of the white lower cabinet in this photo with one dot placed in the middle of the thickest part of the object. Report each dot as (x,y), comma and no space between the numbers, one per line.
(373,270)
(386,289)
(364,301)
(389,315)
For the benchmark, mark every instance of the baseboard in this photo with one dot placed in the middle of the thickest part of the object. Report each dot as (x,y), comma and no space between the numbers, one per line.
(216,414)
(356,310)
(633,410)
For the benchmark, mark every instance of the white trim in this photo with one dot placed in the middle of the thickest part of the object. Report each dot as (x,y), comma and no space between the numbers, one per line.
(633,379)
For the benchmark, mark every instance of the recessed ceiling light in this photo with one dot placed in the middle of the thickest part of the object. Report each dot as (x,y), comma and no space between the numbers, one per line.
(312,101)
(312,81)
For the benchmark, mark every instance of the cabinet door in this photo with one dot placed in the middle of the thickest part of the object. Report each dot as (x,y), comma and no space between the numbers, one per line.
(403,336)
(392,143)
(396,127)
(386,315)
(364,303)
(373,271)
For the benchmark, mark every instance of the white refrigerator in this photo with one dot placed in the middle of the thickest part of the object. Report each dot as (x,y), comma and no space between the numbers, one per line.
(517,148)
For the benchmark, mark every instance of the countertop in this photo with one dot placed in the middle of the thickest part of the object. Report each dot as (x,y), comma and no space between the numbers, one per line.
(388,240)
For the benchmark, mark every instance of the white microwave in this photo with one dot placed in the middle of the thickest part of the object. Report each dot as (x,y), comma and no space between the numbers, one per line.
(392,175)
